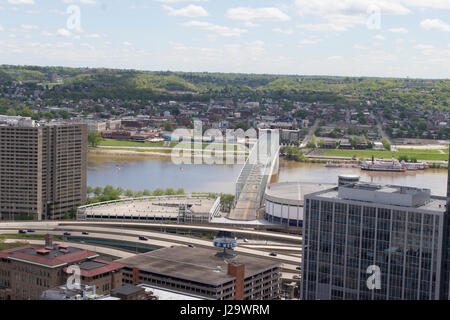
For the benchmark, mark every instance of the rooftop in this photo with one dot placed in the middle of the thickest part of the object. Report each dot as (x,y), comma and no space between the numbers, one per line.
(63,293)
(402,196)
(98,266)
(127,290)
(293,192)
(195,264)
(48,257)
(167,294)
(163,207)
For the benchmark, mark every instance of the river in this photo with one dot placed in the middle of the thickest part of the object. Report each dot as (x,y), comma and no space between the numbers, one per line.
(142,172)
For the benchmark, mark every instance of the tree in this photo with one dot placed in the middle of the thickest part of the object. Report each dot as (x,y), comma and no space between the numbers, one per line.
(312,143)
(386,144)
(167,126)
(129,193)
(226,201)
(147,193)
(241,125)
(170,192)
(158,192)
(139,194)
(89,190)
(293,153)
(120,191)
(98,191)
(73,213)
(94,138)
(180,191)
(321,143)
(108,189)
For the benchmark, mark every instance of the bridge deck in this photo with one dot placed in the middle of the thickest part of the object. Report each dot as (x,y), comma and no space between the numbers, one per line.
(253,179)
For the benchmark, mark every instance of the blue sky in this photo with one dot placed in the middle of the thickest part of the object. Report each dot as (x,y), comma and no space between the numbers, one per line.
(388,38)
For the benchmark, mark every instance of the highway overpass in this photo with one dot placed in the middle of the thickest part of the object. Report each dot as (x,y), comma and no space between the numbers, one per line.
(126,233)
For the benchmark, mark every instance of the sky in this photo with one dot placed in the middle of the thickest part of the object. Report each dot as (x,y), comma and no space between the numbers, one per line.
(380,38)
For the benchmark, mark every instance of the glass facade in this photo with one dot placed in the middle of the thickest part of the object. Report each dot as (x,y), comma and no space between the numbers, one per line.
(445,292)
(343,238)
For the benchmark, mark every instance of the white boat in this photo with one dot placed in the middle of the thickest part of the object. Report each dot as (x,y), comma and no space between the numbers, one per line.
(413,166)
(392,165)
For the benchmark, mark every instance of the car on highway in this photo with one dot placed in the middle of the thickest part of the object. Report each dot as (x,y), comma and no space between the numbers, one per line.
(30,230)
(273,254)
(67,233)
(85,233)
(22,231)
(191,246)
(245,240)
(296,277)
(299,268)
(143,238)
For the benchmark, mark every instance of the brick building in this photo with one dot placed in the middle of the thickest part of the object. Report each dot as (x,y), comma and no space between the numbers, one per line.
(199,271)
(28,271)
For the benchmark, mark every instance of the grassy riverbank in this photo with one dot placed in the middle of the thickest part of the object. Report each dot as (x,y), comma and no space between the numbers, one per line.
(431,155)
(161,152)
(159,144)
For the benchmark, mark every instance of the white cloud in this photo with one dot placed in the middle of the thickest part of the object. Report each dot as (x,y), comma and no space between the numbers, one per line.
(64,32)
(178,1)
(93,36)
(335,58)
(21,1)
(221,30)
(91,2)
(284,31)
(127,44)
(343,15)
(28,27)
(435,24)
(309,41)
(398,30)
(247,14)
(433,4)
(424,46)
(1,28)
(379,37)
(191,11)
(58,12)
(433,54)
(322,27)
(357,46)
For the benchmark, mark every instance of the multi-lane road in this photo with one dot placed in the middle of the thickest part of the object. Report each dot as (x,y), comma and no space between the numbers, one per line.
(287,247)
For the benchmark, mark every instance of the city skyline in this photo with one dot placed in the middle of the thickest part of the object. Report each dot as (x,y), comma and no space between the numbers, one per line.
(353,38)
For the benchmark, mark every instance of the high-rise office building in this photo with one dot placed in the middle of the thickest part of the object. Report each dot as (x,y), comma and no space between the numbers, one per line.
(365,241)
(42,168)
(445,292)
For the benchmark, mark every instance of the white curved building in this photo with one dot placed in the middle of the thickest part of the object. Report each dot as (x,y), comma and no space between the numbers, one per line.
(153,209)
(284,201)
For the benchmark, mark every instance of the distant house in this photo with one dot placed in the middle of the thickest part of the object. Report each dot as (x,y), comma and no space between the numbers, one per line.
(362,146)
(378,145)
(329,144)
(345,144)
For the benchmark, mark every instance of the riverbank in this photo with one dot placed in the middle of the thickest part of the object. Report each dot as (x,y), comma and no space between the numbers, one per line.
(127,152)
(164,153)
